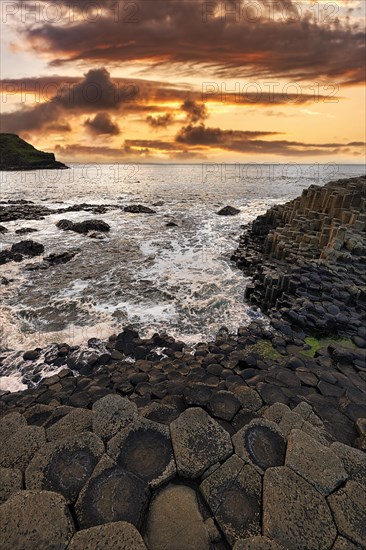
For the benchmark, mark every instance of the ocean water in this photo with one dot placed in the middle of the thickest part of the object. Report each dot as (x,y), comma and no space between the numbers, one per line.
(157,278)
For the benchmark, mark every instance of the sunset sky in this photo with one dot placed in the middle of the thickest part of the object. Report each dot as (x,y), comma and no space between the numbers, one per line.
(186,80)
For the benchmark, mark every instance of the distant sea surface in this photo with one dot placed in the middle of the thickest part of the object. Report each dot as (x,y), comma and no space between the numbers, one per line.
(177,279)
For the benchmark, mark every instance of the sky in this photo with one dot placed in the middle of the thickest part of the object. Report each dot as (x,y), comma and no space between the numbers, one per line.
(186,80)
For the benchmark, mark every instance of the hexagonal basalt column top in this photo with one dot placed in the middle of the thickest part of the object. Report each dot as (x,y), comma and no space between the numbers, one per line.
(145,449)
(198,442)
(64,466)
(261,443)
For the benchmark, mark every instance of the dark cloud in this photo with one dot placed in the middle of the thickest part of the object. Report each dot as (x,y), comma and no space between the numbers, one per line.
(160,121)
(94,92)
(291,45)
(102,124)
(247,142)
(75,150)
(195,112)
(203,135)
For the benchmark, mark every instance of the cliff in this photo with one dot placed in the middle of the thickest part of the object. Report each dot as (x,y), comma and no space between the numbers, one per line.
(17,154)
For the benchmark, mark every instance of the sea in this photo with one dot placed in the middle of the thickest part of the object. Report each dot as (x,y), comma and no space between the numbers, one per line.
(177,279)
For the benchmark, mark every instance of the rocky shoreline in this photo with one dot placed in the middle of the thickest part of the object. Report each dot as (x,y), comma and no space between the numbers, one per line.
(254,440)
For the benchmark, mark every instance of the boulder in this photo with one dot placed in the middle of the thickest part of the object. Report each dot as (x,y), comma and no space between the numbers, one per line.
(138,209)
(228,211)
(27,248)
(35,519)
(83,227)
(198,442)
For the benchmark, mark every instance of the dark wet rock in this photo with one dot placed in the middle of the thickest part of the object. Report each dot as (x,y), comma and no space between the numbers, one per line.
(261,443)
(27,248)
(111,414)
(65,465)
(25,230)
(175,521)
(63,258)
(318,464)
(3,229)
(31,355)
(224,404)
(145,449)
(119,535)
(18,450)
(233,493)
(294,511)
(139,209)
(83,227)
(349,511)
(35,519)
(66,225)
(198,442)
(11,481)
(111,494)
(228,211)
(171,224)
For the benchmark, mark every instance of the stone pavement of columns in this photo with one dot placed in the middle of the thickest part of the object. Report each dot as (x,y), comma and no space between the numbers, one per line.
(155,478)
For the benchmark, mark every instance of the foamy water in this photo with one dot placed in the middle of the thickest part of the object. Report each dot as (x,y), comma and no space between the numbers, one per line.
(178,279)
